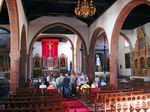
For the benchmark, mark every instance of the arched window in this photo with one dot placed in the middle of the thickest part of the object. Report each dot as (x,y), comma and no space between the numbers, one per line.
(142,63)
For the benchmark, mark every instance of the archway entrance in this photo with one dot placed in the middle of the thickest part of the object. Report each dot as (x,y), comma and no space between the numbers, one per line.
(4,60)
(132,6)
(98,55)
(60,31)
(9,19)
(52,54)
(102,58)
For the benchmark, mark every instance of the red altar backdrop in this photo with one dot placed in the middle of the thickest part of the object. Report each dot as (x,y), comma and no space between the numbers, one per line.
(50,48)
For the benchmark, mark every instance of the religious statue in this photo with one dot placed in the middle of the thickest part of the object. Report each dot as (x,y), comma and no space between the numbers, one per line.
(98,63)
(50,48)
(44,62)
(55,63)
(50,62)
(37,61)
(62,62)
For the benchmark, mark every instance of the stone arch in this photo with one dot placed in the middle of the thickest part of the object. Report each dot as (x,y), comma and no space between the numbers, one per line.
(23,58)
(14,48)
(90,69)
(115,35)
(50,35)
(127,39)
(71,29)
(78,46)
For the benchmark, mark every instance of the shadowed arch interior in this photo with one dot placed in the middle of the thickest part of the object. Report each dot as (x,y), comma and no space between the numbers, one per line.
(91,59)
(23,58)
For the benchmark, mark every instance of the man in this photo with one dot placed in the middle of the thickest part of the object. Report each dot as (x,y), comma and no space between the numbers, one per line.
(66,86)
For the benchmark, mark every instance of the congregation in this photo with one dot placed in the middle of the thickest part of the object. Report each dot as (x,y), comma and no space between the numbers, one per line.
(68,85)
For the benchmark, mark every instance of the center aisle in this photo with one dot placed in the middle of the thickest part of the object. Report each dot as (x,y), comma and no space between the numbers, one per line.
(76,105)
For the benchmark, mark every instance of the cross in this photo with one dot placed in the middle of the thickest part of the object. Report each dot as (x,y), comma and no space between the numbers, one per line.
(50,47)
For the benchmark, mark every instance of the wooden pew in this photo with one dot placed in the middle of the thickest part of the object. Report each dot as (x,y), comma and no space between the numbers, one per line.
(96,98)
(22,101)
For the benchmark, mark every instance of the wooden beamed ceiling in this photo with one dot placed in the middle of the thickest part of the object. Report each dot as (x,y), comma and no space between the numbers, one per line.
(38,8)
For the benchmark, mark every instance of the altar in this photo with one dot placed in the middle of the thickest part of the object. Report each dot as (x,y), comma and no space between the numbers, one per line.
(51,71)
(49,62)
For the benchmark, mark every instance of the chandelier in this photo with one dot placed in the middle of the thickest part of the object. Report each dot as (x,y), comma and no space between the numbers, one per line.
(85,8)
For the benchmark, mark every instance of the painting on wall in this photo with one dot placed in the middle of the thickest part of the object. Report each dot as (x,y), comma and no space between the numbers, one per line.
(127,60)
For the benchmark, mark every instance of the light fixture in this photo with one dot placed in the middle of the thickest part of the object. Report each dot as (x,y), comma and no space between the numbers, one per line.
(85,8)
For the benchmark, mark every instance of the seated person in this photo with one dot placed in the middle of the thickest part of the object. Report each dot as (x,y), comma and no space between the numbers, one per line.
(94,85)
(103,83)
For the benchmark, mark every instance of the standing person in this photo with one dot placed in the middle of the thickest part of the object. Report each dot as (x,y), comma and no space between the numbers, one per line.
(66,86)
(73,79)
(59,82)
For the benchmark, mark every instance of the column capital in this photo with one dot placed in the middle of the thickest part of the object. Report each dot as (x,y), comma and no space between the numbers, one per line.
(14,56)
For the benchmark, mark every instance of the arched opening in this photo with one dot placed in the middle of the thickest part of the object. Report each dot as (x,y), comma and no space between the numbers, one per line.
(4,60)
(122,20)
(125,56)
(45,65)
(61,31)
(4,49)
(102,59)
(23,59)
(98,52)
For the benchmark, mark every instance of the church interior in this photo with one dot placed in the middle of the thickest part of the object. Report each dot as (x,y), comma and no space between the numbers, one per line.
(74,55)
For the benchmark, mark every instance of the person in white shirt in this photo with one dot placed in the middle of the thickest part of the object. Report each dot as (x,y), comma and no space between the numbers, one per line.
(59,83)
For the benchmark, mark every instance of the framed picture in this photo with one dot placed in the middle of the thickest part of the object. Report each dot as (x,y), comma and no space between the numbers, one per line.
(127,60)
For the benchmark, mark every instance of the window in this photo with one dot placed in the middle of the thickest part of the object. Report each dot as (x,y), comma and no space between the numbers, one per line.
(126,44)
(127,60)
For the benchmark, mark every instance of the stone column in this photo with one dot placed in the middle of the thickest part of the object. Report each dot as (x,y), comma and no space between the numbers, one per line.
(114,63)
(14,72)
(28,67)
(84,60)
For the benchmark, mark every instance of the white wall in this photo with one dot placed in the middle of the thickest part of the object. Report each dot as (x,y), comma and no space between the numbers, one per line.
(22,19)
(132,36)
(1,1)
(147,29)
(108,19)
(36,25)
(121,57)
(37,49)
(63,48)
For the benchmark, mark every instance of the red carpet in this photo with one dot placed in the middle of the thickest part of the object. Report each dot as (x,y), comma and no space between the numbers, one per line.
(76,105)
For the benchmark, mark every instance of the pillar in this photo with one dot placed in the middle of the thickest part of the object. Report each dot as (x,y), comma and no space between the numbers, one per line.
(14,72)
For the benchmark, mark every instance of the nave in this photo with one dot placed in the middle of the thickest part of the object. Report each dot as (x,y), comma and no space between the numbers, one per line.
(40,39)
(88,99)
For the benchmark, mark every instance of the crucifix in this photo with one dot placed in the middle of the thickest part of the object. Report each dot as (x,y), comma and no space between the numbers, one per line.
(50,48)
